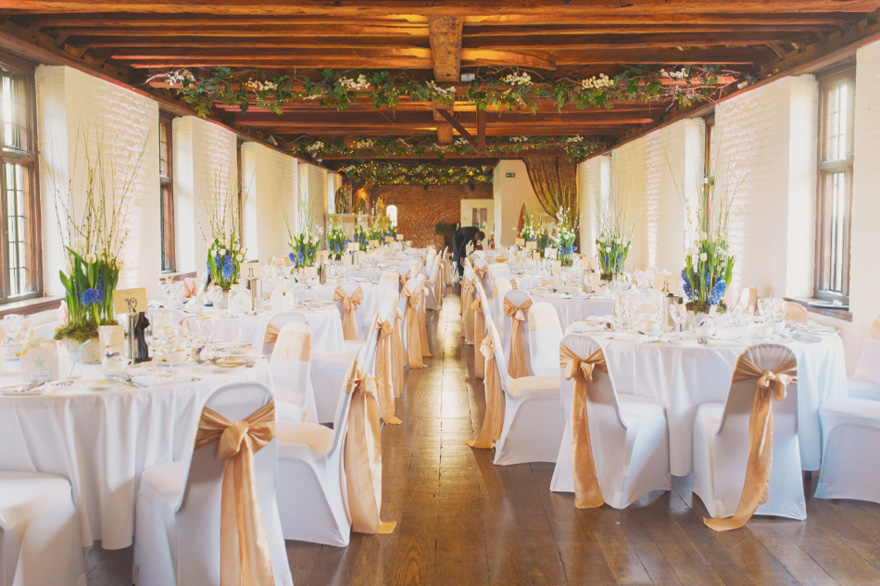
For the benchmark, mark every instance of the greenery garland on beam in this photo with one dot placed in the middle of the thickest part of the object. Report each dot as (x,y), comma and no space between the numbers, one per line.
(576,147)
(518,90)
(399,173)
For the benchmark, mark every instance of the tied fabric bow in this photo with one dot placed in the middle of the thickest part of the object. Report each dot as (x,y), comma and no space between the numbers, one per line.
(350,303)
(518,366)
(363,455)
(587,494)
(412,323)
(386,368)
(493,419)
(479,272)
(468,293)
(244,547)
(771,385)
(271,334)
(479,330)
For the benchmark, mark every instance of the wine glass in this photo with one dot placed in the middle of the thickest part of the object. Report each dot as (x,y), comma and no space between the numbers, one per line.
(214,294)
(678,313)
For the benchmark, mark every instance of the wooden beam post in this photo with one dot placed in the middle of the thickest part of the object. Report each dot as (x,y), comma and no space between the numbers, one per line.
(445,36)
(457,126)
(481,130)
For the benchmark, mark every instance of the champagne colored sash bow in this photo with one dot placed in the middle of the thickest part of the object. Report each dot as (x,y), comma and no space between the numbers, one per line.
(413,339)
(480,273)
(438,288)
(386,368)
(363,456)
(271,334)
(398,351)
(479,329)
(468,290)
(518,365)
(772,385)
(244,546)
(446,268)
(493,419)
(587,494)
(350,303)
(423,322)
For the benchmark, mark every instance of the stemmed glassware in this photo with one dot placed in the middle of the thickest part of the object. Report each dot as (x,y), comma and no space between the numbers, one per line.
(678,313)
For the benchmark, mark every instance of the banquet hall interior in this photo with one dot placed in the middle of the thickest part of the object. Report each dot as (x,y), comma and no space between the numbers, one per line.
(405,292)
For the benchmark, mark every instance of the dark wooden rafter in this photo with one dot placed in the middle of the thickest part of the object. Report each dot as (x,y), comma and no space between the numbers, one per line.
(459,128)
(445,39)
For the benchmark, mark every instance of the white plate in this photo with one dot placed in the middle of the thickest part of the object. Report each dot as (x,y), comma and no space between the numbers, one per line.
(241,349)
(100,384)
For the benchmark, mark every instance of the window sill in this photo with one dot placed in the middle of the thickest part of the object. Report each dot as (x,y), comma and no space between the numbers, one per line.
(843,314)
(175,276)
(30,306)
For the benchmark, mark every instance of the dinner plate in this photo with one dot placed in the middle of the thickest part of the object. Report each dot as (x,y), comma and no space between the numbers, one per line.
(241,349)
(233,362)
(100,384)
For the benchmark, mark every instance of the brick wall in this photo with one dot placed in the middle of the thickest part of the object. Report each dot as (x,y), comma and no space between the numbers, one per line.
(418,209)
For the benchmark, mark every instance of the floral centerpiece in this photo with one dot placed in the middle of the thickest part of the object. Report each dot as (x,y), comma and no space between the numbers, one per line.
(564,235)
(543,238)
(336,239)
(304,245)
(380,224)
(90,223)
(614,239)
(225,253)
(361,236)
(708,263)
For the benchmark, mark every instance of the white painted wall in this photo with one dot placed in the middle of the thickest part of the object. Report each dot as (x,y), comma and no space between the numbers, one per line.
(510,193)
(313,192)
(271,186)
(71,103)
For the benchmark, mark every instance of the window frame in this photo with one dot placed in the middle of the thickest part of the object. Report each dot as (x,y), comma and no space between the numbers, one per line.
(28,157)
(708,169)
(168,251)
(824,170)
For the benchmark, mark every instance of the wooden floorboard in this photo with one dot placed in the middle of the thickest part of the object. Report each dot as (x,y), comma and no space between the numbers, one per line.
(464,521)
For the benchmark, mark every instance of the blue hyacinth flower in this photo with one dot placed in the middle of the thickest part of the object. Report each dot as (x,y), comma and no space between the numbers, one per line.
(92,296)
(687,285)
(717,293)
(291,257)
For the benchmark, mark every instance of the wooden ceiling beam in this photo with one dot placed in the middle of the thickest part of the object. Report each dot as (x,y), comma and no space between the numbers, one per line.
(196,29)
(167,45)
(445,38)
(616,41)
(459,128)
(428,131)
(368,8)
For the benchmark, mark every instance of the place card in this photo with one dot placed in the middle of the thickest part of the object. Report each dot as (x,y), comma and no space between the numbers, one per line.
(250,270)
(130,300)
(40,361)
(400,237)
(111,338)
(665,282)
(322,255)
(550,253)
(353,247)
(531,245)
(373,244)
(520,241)
(536,256)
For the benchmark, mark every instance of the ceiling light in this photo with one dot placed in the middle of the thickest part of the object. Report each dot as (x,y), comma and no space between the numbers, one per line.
(468,76)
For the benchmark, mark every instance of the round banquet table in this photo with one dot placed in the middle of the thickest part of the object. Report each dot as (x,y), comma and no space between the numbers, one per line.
(374,294)
(324,321)
(685,374)
(103,441)
(530,281)
(370,273)
(576,306)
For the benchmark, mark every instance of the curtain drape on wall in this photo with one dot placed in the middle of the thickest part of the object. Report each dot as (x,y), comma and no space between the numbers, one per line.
(554,180)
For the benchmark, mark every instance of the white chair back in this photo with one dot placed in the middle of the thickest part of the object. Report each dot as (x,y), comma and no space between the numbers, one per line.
(498,267)
(405,272)
(198,512)
(868,367)
(500,288)
(415,267)
(277,322)
(545,333)
(480,254)
(290,363)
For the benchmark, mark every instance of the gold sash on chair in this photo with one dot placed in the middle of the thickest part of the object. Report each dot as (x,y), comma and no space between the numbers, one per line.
(423,322)
(350,303)
(398,352)
(363,456)
(245,557)
(271,334)
(479,329)
(587,494)
(468,291)
(438,288)
(772,385)
(493,419)
(413,339)
(386,369)
(518,365)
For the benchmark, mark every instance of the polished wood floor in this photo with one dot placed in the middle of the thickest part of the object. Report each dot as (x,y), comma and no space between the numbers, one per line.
(462,521)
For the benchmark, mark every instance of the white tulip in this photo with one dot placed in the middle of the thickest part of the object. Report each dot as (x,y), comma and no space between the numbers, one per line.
(222,252)
(92,258)
(704,257)
(607,249)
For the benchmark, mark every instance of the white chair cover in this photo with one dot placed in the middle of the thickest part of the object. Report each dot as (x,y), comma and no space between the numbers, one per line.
(290,367)
(178,505)
(850,443)
(545,334)
(498,267)
(39,532)
(532,421)
(628,435)
(721,445)
(350,287)
(481,265)
(500,287)
(865,382)
(274,326)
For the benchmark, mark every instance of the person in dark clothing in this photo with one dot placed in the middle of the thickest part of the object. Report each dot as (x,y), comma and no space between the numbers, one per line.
(460,241)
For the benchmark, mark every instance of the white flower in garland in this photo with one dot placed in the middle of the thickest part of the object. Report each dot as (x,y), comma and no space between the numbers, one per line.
(443,92)
(260,86)
(517,79)
(177,77)
(573,139)
(361,83)
(680,74)
(315,147)
(366,143)
(519,139)
(597,83)
(461,141)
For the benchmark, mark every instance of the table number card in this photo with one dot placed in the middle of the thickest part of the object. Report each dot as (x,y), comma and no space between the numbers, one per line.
(125,300)
(353,247)
(665,282)
(322,255)
(550,253)
(250,270)
(389,240)
(374,244)
(520,242)
(531,245)
(400,237)
(536,256)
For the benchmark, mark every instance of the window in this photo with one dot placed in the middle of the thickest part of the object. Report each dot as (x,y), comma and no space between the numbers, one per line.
(834,186)
(19,213)
(166,183)
(708,170)
(391,212)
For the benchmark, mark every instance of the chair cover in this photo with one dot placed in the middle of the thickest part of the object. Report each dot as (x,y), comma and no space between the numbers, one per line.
(735,443)
(388,362)
(545,334)
(498,267)
(619,450)
(479,331)
(39,532)
(290,367)
(795,312)
(216,514)
(516,308)
(500,286)
(865,382)
(390,277)
(274,326)
(412,338)
(349,296)
(481,268)
(467,300)
(850,442)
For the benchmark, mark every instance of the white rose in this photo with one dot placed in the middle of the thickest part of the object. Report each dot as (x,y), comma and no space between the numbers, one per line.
(704,257)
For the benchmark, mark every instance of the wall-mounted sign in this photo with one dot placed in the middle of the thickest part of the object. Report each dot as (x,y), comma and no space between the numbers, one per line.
(511,175)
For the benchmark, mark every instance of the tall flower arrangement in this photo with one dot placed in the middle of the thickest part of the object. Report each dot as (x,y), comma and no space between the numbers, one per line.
(304,244)
(380,224)
(615,238)
(361,236)
(91,232)
(225,252)
(564,235)
(708,263)
(336,239)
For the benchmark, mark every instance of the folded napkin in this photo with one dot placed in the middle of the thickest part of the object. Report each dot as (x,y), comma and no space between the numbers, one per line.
(804,337)
(23,389)
(722,343)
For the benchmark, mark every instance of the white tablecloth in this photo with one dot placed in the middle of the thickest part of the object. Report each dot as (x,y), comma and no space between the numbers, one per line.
(325,323)
(576,307)
(102,441)
(685,375)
